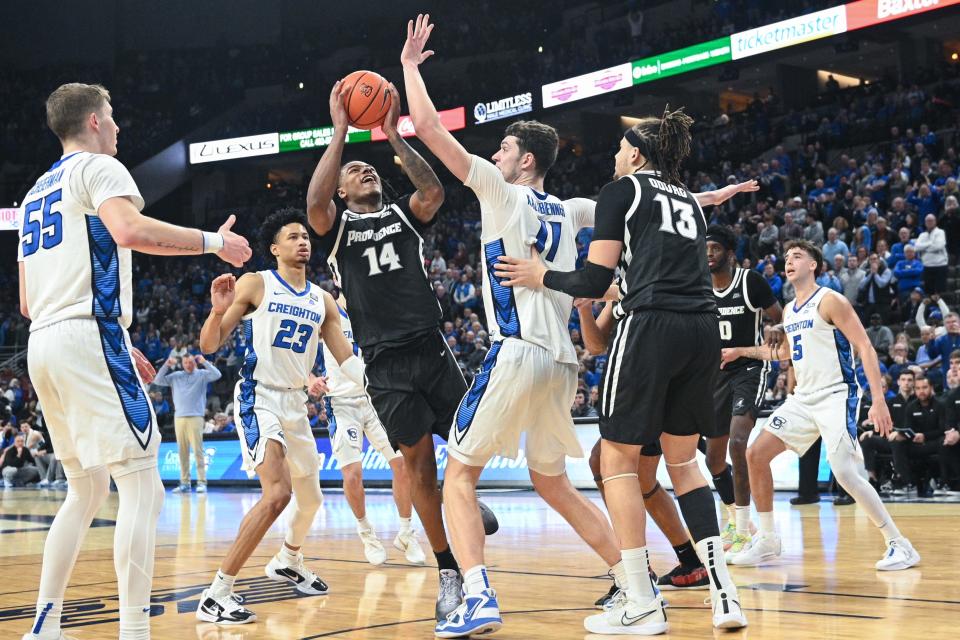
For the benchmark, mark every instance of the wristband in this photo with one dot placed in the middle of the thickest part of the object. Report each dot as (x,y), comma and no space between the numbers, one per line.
(353,369)
(212,242)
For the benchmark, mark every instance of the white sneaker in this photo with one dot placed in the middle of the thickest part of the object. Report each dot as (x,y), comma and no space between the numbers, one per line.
(763,548)
(372,547)
(201,487)
(900,555)
(223,610)
(727,613)
(406,541)
(625,617)
(298,575)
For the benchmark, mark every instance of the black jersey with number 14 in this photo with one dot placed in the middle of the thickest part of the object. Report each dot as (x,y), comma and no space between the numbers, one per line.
(377,261)
(664,257)
(740,309)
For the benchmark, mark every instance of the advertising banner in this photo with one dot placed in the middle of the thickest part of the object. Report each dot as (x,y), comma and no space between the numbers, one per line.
(681,60)
(503,108)
(867,13)
(787,33)
(314,138)
(264,144)
(587,85)
(9,219)
(451,119)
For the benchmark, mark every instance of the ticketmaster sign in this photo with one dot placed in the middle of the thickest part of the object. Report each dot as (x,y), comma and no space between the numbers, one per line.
(788,33)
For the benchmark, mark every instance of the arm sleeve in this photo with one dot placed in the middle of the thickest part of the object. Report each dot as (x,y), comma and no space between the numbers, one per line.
(759,292)
(103,177)
(615,201)
(495,194)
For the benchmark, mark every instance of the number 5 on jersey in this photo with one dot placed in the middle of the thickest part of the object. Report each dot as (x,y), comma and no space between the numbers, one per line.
(388,260)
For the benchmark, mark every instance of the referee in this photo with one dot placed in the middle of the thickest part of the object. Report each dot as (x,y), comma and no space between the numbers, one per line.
(189,389)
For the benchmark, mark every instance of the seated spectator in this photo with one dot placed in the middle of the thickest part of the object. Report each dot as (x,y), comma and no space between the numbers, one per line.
(778,393)
(580,408)
(465,294)
(900,361)
(909,273)
(881,337)
(925,422)
(834,246)
(828,278)
(873,443)
(950,460)
(947,343)
(18,466)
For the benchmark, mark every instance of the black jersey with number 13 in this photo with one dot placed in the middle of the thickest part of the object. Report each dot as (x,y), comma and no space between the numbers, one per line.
(664,258)
(377,261)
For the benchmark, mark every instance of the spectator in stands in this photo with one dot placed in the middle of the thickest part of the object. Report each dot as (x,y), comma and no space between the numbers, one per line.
(17,465)
(580,408)
(947,343)
(925,422)
(924,312)
(900,361)
(189,389)
(909,273)
(829,279)
(774,280)
(896,250)
(465,294)
(850,278)
(875,288)
(834,247)
(950,223)
(790,229)
(881,337)
(778,392)
(950,459)
(932,245)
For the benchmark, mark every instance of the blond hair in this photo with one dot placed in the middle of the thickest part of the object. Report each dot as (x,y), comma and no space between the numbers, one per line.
(69,106)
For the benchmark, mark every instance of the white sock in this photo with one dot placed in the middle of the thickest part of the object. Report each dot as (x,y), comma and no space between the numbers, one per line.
(475,579)
(620,574)
(406,525)
(364,524)
(288,556)
(731,513)
(46,624)
(743,520)
(766,522)
(222,585)
(134,623)
(710,551)
(636,565)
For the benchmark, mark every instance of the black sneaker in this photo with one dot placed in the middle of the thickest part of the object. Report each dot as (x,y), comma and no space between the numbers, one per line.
(804,500)
(225,610)
(684,578)
(843,499)
(605,598)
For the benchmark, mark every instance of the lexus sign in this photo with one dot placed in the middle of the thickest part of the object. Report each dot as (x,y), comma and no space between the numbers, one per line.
(264,144)
(503,108)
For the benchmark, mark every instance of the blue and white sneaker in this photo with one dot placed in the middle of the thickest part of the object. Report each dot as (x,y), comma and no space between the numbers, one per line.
(479,613)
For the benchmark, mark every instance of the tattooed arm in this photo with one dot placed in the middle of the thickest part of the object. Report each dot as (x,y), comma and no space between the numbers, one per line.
(429,195)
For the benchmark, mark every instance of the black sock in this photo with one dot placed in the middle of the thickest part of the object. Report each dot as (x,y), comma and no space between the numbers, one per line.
(445,560)
(687,555)
(723,482)
(699,513)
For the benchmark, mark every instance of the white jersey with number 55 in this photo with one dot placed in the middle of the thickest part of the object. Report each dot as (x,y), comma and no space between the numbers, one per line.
(73,267)
(514,218)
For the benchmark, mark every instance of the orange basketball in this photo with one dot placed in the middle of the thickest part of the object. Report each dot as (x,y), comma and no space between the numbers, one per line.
(366,99)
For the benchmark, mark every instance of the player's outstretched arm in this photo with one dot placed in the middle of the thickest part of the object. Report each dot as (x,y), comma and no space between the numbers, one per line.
(838,311)
(425,118)
(230,299)
(340,347)
(321,210)
(133,230)
(595,331)
(719,196)
(426,200)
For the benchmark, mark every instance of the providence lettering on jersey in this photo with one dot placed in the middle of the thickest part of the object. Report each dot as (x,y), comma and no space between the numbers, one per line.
(377,261)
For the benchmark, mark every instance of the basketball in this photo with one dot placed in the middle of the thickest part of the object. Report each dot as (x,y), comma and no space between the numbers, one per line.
(366,99)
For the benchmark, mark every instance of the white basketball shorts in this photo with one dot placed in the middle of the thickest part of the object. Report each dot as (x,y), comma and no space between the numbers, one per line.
(272,414)
(351,419)
(830,413)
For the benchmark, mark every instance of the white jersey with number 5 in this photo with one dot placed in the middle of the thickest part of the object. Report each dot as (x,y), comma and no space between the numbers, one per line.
(74,269)
(514,218)
(339,385)
(282,334)
(821,355)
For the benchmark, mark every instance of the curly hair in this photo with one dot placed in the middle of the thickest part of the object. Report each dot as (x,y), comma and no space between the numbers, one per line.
(278,220)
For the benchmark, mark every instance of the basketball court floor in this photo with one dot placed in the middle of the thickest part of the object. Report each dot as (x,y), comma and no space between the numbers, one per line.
(824,587)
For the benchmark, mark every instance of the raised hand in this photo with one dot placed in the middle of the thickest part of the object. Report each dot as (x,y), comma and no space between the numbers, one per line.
(417,35)
(222,292)
(393,114)
(338,112)
(236,249)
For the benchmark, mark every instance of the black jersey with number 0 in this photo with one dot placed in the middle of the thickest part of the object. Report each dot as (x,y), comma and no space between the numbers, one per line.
(377,261)
(664,258)
(740,309)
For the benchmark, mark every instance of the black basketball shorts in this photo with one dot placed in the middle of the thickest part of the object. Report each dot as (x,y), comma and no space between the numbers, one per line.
(416,389)
(739,393)
(660,377)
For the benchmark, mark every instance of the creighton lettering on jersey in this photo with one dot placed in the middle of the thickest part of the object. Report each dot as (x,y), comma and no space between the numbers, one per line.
(73,267)
(822,356)
(663,230)
(377,260)
(740,313)
(282,335)
(339,385)
(514,218)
